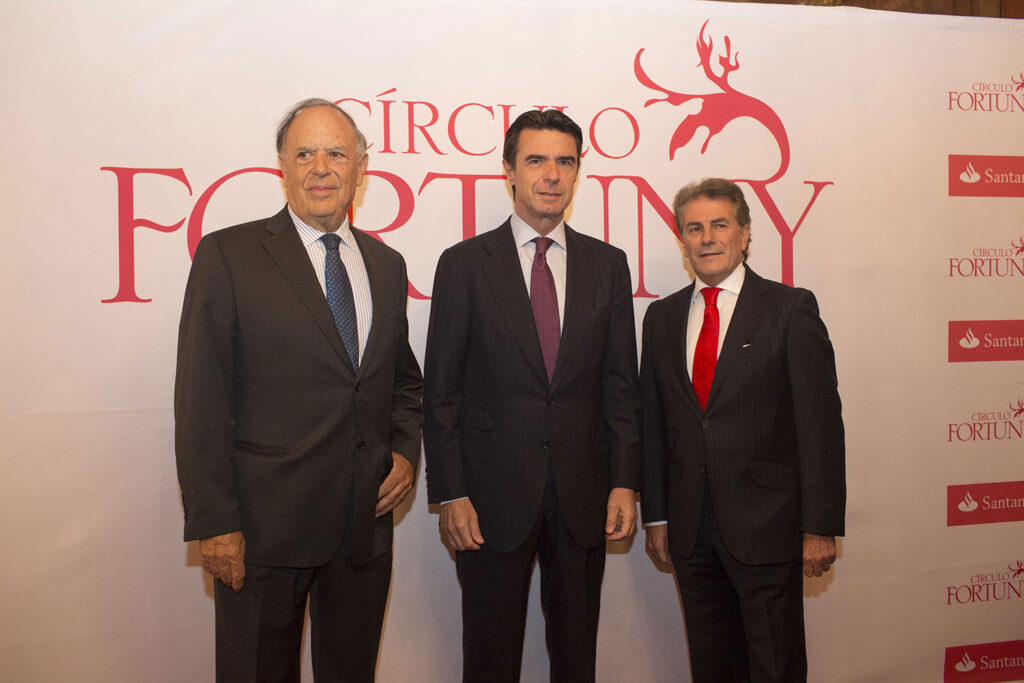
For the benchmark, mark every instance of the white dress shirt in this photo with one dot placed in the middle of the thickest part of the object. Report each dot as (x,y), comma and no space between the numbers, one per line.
(352,258)
(556,257)
(726,303)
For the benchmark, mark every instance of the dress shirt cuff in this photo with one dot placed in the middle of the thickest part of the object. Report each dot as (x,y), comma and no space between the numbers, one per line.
(662,522)
(445,502)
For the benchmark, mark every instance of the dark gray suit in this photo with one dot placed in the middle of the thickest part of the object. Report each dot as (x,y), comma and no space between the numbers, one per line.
(765,461)
(276,435)
(498,432)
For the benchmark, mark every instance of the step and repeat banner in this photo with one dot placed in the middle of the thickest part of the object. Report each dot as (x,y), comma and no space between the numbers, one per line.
(883,158)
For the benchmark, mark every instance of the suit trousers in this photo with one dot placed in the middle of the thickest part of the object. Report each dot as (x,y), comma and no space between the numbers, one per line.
(259,629)
(743,622)
(495,593)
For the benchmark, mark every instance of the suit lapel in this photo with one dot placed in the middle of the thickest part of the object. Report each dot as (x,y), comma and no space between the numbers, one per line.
(749,309)
(579,298)
(504,275)
(678,322)
(376,274)
(286,249)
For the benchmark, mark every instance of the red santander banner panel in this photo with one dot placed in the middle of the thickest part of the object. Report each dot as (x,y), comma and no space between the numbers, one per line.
(1001,501)
(985,340)
(975,175)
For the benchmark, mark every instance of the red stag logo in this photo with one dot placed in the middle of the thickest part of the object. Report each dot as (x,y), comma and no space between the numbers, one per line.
(1018,570)
(1019,246)
(1018,409)
(1018,82)
(720,108)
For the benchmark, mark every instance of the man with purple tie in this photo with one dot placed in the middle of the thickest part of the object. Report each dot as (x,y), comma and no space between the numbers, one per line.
(532,412)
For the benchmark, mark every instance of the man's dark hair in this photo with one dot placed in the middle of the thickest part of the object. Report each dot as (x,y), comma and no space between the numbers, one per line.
(713,188)
(549,119)
(286,122)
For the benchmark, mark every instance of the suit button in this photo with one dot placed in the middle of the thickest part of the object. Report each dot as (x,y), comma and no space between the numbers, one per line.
(545,443)
(356,387)
(705,423)
(360,445)
(551,401)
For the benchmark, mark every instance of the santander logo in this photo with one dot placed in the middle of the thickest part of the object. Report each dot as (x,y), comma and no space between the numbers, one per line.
(969,341)
(965,664)
(970,175)
(968,504)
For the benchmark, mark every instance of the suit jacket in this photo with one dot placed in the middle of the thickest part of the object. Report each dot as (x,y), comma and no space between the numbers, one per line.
(770,444)
(494,422)
(275,434)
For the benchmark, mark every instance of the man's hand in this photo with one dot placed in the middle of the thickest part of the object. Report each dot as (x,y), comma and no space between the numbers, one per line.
(819,554)
(460,527)
(657,543)
(621,521)
(224,558)
(396,486)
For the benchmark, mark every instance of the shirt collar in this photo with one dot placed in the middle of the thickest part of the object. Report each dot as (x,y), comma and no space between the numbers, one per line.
(733,283)
(308,234)
(523,233)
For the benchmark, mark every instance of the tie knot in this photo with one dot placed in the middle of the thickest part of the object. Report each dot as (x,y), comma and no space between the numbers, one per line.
(710,295)
(331,240)
(542,244)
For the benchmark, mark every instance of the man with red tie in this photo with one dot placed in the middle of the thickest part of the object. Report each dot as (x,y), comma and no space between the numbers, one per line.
(532,409)
(744,457)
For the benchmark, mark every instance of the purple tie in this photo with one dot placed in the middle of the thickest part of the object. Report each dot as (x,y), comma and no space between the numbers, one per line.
(544,302)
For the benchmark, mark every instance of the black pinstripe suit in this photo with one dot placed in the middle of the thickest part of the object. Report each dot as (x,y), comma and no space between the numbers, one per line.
(765,461)
(498,432)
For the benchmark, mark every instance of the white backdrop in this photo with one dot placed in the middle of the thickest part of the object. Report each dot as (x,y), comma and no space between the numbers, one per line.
(121,116)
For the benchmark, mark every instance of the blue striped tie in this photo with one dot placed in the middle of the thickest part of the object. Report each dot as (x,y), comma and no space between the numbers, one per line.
(339,298)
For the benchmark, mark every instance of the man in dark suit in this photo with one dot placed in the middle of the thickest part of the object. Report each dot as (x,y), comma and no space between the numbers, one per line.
(744,458)
(533,412)
(297,416)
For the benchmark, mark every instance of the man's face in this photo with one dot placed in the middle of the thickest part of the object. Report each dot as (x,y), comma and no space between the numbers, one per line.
(321,167)
(712,239)
(544,176)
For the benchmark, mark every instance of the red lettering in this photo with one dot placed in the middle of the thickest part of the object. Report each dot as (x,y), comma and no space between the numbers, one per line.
(386,109)
(127,223)
(451,129)
(366,106)
(195,221)
(786,234)
(468,186)
(644,191)
(406,203)
(633,123)
(413,126)
(505,123)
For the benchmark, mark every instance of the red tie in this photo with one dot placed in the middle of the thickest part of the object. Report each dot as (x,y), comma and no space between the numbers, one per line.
(544,301)
(707,347)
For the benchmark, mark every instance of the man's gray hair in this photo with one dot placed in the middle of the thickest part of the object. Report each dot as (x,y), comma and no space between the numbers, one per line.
(713,188)
(286,122)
